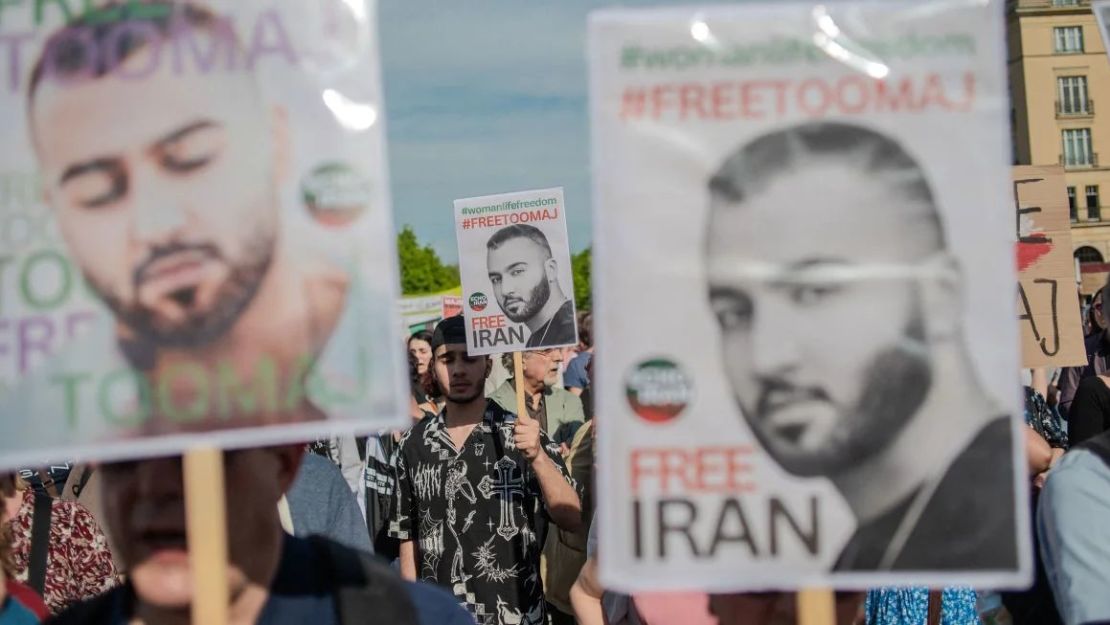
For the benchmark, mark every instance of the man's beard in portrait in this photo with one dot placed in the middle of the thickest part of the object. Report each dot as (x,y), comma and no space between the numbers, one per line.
(200,327)
(894,389)
(536,300)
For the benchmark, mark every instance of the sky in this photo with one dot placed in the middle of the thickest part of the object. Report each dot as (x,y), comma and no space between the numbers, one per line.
(484,97)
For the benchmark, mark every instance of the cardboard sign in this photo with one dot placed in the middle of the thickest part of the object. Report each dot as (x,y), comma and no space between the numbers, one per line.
(197,236)
(821,280)
(514,259)
(1048,306)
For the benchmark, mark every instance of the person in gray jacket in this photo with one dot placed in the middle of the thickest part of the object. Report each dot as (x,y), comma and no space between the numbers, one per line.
(321,504)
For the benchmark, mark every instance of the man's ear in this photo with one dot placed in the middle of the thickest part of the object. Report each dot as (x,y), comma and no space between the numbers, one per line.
(551,269)
(942,299)
(489,367)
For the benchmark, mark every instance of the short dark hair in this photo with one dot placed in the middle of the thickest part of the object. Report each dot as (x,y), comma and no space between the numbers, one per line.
(753,167)
(419,335)
(451,330)
(99,29)
(519,231)
(585,328)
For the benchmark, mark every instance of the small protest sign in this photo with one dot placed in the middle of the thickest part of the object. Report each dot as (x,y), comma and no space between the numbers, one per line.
(197,238)
(818,387)
(1048,304)
(514,260)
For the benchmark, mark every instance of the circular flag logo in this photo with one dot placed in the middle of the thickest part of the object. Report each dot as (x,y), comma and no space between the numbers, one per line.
(658,390)
(335,194)
(478,302)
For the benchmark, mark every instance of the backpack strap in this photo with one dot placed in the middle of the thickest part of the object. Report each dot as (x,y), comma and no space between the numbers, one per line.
(367,591)
(40,542)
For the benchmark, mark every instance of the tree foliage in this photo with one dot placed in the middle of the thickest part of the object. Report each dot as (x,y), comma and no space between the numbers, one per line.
(422,271)
(580,266)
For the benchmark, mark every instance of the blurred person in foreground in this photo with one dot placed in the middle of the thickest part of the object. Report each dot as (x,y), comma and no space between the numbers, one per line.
(1073,528)
(274,578)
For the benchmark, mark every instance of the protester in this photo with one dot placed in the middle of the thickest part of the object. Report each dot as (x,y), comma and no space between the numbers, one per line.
(547,403)
(346,453)
(75,562)
(1090,409)
(1097,345)
(565,550)
(1073,525)
(575,378)
(1096,321)
(903,606)
(1045,445)
(424,392)
(420,349)
(19,605)
(470,485)
(320,504)
(273,577)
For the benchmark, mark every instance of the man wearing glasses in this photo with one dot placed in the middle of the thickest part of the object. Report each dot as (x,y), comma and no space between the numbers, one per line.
(552,406)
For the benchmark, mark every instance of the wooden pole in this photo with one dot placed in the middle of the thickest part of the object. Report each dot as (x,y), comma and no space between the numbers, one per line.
(816,606)
(518,377)
(206,515)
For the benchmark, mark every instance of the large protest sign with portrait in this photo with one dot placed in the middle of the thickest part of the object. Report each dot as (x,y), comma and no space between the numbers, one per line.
(819,384)
(514,260)
(197,239)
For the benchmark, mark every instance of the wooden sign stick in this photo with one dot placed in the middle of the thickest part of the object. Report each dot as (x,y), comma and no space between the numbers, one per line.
(518,377)
(206,517)
(816,606)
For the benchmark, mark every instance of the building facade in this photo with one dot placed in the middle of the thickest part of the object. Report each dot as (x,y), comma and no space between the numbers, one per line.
(1060,94)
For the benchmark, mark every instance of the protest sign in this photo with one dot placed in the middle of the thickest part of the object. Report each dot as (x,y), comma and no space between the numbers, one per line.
(514,260)
(1048,304)
(818,388)
(196,229)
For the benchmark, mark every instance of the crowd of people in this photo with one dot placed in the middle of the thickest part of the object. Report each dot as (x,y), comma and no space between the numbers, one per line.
(488,516)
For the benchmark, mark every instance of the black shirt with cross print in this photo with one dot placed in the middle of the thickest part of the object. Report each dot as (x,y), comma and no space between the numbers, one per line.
(471,514)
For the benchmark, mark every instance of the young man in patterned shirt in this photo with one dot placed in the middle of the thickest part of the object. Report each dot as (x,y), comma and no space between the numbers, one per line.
(470,483)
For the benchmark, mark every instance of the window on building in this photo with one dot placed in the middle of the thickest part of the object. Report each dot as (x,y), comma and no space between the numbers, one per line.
(1072,94)
(1093,212)
(1088,255)
(1077,147)
(1073,208)
(1069,39)
(1065,3)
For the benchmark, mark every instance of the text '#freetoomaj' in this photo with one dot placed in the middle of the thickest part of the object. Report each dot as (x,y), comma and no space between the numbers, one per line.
(815,98)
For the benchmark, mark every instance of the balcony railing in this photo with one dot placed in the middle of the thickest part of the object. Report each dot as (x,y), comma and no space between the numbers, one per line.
(1046,5)
(1086,110)
(1092,161)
